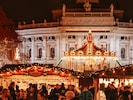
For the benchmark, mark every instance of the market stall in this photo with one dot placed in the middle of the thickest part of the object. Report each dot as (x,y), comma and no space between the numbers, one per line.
(23,74)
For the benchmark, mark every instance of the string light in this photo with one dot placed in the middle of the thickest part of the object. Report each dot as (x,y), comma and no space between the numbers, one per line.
(103,74)
(123,69)
(22,69)
(113,71)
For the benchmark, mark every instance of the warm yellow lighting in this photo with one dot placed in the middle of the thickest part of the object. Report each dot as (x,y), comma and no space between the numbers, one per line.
(86,57)
(123,69)
(89,57)
(103,74)
(113,71)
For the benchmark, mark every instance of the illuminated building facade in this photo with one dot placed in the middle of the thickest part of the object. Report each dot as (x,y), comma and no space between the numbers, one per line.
(46,42)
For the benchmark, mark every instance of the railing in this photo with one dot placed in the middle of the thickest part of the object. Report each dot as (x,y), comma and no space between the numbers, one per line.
(38,25)
(125,24)
(87,14)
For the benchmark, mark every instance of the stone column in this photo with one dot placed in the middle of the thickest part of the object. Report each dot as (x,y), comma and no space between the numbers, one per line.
(63,44)
(32,49)
(44,54)
(48,51)
(23,49)
(62,49)
(57,54)
(79,41)
(131,50)
(112,43)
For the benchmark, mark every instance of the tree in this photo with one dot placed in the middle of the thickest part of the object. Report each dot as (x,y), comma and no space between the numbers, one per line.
(8,37)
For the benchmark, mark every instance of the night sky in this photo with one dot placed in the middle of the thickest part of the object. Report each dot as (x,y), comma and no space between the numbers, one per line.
(38,10)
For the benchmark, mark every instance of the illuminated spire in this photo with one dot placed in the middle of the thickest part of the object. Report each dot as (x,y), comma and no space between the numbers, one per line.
(89,38)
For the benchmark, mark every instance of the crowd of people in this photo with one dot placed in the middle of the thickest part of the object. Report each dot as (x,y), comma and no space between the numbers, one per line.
(57,92)
(122,92)
(61,92)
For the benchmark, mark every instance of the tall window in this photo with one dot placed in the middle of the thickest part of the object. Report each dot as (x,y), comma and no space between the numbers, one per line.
(40,53)
(123,52)
(29,53)
(52,52)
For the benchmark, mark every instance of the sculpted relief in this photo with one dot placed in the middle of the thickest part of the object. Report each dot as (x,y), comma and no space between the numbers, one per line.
(88,21)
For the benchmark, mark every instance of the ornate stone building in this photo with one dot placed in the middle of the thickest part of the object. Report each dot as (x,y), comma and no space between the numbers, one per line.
(46,42)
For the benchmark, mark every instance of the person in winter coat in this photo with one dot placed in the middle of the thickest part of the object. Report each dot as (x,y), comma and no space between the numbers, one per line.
(86,94)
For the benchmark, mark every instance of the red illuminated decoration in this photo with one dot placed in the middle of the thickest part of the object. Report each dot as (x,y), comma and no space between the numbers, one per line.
(35,71)
(44,69)
(64,74)
(6,74)
(52,72)
(18,72)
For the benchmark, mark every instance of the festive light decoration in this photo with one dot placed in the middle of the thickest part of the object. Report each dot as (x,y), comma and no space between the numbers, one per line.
(113,71)
(49,69)
(123,69)
(35,70)
(118,72)
(89,57)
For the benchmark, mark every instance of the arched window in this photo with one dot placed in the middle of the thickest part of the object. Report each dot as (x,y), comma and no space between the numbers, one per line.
(40,53)
(123,52)
(52,52)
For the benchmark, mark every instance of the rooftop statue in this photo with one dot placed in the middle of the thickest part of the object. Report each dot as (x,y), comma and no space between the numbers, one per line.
(87,6)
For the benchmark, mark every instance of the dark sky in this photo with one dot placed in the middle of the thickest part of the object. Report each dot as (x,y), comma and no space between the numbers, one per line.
(27,10)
